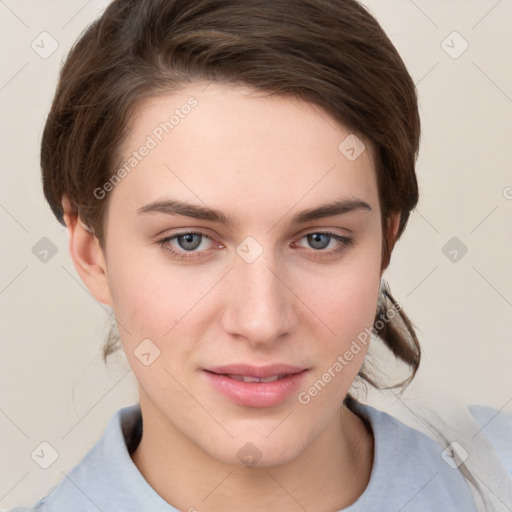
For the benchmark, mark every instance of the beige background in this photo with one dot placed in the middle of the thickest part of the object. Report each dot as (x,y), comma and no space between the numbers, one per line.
(55,387)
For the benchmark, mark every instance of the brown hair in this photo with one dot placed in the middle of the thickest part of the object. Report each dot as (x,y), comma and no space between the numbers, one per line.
(332,53)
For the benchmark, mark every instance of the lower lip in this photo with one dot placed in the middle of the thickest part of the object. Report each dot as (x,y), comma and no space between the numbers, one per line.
(256,394)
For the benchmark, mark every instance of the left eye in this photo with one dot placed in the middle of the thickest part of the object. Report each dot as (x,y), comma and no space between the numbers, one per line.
(318,240)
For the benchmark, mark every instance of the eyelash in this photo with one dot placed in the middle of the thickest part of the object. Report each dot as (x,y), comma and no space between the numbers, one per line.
(344,241)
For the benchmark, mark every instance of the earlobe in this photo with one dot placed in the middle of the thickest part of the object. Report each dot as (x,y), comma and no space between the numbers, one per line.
(88,258)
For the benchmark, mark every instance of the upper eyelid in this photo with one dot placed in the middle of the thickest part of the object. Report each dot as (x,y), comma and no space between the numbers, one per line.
(303,232)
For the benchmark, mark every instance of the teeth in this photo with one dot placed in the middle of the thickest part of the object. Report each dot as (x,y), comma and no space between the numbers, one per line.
(245,378)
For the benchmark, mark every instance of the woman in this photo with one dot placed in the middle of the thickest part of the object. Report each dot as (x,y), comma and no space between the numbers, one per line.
(234,176)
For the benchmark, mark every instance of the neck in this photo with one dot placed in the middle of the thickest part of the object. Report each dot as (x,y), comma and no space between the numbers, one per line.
(330,474)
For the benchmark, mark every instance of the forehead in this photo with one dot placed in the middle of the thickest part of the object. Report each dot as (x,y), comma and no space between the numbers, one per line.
(218,143)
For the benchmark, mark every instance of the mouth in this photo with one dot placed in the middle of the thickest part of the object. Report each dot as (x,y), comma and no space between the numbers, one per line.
(245,370)
(248,378)
(252,386)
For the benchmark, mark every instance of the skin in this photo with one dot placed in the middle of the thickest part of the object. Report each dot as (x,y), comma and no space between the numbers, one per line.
(260,159)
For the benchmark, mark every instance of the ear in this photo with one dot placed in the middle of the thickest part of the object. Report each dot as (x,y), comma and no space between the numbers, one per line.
(87,256)
(393,224)
(390,232)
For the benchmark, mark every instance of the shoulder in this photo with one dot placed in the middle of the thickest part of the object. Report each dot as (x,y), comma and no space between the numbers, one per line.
(410,469)
(106,478)
(497,427)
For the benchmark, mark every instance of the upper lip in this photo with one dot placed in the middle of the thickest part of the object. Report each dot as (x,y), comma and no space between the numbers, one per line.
(261,372)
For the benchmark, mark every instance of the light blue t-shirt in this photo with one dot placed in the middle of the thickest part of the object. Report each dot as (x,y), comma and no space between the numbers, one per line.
(408,473)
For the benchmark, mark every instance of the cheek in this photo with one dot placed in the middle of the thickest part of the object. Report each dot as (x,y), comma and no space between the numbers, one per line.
(347,307)
(146,299)
(346,299)
(349,312)
(152,300)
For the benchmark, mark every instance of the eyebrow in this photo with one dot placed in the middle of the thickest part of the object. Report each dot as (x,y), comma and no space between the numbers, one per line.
(175,207)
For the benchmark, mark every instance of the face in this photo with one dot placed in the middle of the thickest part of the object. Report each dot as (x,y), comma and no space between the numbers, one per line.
(242,242)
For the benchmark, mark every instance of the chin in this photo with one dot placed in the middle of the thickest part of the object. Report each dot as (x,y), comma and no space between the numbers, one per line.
(259,453)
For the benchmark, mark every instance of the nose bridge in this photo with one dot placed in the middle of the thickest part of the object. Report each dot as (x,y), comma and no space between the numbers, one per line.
(259,306)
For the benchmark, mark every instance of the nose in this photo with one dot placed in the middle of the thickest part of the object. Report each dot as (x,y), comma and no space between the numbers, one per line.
(259,307)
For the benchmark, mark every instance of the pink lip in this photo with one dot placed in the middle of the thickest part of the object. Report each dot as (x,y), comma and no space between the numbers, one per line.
(256,394)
